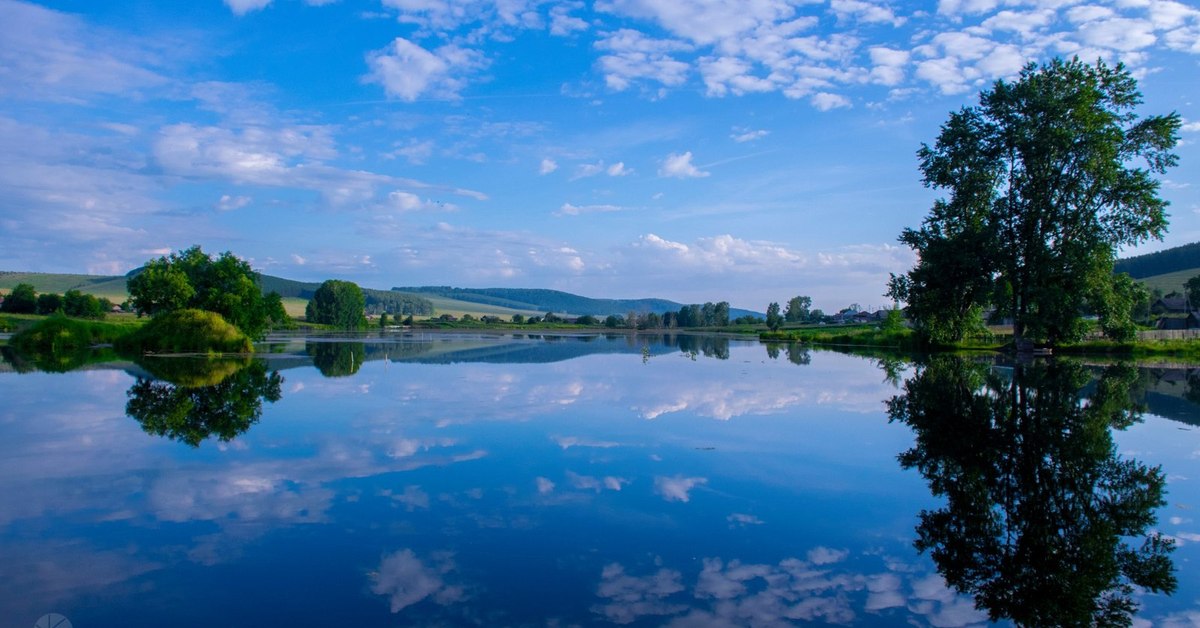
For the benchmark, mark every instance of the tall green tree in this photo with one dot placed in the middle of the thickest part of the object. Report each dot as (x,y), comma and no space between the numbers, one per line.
(774,319)
(193,279)
(338,303)
(1046,177)
(22,300)
(797,309)
(1193,292)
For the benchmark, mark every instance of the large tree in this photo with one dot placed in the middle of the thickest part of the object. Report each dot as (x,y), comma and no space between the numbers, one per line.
(1046,178)
(193,279)
(337,303)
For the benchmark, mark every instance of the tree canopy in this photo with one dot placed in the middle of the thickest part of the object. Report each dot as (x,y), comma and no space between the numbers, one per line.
(193,279)
(1044,183)
(338,303)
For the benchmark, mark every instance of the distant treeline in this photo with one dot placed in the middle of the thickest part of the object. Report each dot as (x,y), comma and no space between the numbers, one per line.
(377,301)
(543,300)
(1169,261)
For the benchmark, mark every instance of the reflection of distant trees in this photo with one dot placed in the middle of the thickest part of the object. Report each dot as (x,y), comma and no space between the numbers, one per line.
(337,359)
(191,414)
(1044,523)
(708,346)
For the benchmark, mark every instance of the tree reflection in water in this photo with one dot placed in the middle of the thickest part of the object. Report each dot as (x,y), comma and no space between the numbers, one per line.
(337,359)
(202,398)
(1044,523)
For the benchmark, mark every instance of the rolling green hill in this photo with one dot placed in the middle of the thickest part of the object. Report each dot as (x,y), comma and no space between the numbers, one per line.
(1165,270)
(112,287)
(541,300)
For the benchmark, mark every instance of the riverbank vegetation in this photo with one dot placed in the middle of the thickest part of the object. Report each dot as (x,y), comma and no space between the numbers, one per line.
(1045,179)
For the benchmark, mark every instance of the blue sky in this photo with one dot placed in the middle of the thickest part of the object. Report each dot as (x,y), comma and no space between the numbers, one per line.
(696,150)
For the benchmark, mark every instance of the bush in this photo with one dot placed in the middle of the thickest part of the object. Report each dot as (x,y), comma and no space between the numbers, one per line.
(187,331)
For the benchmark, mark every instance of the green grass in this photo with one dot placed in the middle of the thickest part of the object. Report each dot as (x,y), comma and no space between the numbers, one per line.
(1170,282)
(112,287)
(848,335)
(187,331)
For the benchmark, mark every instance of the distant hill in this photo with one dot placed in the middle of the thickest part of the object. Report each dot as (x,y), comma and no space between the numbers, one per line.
(1186,257)
(1166,270)
(542,300)
(421,301)
(112,287)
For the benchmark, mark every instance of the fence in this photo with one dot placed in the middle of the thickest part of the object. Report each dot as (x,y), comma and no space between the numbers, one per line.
(1169,334)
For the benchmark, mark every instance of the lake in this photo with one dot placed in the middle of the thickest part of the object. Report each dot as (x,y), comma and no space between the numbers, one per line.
(526,480)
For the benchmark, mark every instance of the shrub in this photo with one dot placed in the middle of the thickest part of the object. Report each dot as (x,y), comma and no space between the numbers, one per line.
(187,331)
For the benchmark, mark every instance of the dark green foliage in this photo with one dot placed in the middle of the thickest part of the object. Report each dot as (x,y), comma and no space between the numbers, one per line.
(337,303)
(1193,292)
(1042,190)
(21,300)
(188,414)
(1043,523)
(613,321)
(187,331)
(193,279)
(797,309)
(49,303)
(337,359)
(587,319)
(774,320)
(76,303)
(1160,263)
(59,344)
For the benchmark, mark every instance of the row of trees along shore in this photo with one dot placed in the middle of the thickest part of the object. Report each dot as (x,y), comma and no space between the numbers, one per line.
(1045,179)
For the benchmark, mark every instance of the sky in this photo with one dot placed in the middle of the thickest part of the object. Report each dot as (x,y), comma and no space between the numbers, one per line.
(696,150)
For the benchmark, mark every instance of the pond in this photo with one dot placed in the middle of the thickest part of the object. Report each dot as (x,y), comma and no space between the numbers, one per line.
(524,480)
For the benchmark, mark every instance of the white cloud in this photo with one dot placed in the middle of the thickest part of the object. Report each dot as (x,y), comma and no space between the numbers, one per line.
(562,23)
(632,56)
(228,202)
(405,580)
(677,488)
(865,12)
(57,56)
(824,101)
(679,166)
(408,72)
(547,166)
(242,7)
(825,556)
(544,485)
(742,135)
(568,209)
(618,170)
(629,598)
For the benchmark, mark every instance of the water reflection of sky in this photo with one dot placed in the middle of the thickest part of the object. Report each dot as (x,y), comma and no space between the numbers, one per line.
(605,488)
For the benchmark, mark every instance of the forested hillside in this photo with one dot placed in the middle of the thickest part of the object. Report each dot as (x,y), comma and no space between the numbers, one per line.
(1173,260)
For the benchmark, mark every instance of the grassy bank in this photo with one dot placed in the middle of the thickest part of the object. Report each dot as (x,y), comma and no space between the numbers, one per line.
(905,339)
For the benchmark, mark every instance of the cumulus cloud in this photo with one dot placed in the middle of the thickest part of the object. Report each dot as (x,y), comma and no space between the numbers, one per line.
(547,166)
(408,72)
(679,166)
(228,202)
(544,485)
(632,56)
(628,598)
(405,580)
(677,488)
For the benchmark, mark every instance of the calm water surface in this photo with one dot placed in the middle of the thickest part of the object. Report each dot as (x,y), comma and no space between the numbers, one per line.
(525,481)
